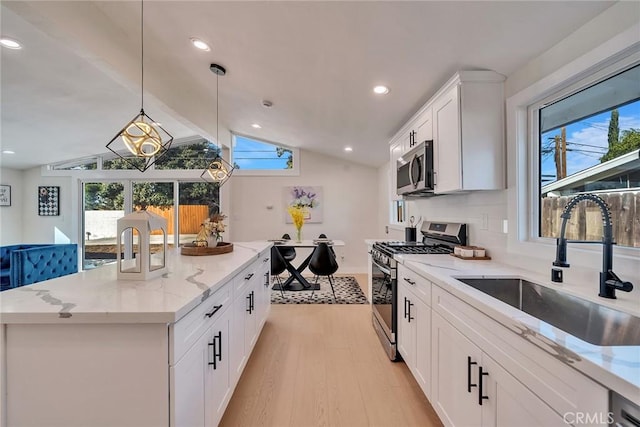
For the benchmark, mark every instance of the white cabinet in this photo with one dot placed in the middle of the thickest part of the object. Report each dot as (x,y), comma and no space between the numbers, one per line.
(414,327)
(471,389)
(201,387)
(424,126)
(484,374)
(395,151)
(468,133)
(250,306)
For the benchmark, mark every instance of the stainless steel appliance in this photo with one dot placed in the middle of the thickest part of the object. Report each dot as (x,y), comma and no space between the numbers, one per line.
(624,413)
(415,174)
(438,238)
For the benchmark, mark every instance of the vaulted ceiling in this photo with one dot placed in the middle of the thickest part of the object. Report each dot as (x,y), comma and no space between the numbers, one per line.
(76,81)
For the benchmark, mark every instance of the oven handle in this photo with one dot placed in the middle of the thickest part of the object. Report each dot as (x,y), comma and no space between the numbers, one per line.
(382,268)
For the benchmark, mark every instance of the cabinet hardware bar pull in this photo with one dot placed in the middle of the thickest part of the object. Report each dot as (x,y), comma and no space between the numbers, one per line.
(248,276)
(406,279)
(253,299)
(266,279)
(265,260)
(219,355)
(481,395)
(405,307)
(213,344)
(216,308)
(469,363)
(410,318)
(249,298)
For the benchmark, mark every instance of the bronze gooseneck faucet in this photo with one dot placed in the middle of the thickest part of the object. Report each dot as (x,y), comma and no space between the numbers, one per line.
(609,282)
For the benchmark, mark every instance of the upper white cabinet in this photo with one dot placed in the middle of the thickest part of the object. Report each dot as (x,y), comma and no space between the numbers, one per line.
(465,119)
(468,133)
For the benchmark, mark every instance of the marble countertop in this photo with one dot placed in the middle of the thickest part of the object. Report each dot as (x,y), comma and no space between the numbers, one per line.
(615,367)
(97,296)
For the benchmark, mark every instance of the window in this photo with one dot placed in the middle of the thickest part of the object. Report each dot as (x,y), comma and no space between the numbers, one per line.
(588,142)
(250,154)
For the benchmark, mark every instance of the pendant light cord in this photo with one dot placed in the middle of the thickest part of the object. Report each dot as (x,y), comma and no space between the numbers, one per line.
(217,116)
(142,55)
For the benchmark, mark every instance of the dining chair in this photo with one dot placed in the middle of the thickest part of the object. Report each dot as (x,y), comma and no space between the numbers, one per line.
(323,263)
(287,253)
(278,266)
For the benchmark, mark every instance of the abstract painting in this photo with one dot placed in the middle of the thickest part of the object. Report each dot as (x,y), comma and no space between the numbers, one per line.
(48,201)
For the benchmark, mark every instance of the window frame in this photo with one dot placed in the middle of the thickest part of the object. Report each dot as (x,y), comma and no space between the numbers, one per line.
(294,171)
(610,58)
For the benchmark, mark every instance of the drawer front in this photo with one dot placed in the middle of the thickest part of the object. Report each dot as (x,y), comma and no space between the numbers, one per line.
(186,331)
(244,278)
(420,286)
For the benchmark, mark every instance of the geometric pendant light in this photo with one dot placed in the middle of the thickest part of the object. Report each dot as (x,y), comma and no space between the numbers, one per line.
(218,170)
(142,137)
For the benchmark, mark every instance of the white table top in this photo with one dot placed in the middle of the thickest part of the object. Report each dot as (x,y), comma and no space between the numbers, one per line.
(97,296)
(306,243)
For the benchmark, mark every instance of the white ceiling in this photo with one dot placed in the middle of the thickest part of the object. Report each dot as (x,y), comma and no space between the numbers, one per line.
(76,82)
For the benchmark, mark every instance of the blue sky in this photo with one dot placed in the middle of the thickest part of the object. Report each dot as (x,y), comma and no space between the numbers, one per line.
(251,154)
(588,140)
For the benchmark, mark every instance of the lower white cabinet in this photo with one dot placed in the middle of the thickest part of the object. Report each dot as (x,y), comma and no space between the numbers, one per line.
(414,330)
(476,372)
(201,379)
(471,389)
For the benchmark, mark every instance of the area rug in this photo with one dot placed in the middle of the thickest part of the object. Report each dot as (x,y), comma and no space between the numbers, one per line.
(347,292)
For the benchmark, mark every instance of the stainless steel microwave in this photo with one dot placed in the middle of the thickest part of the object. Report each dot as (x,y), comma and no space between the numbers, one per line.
(415,175)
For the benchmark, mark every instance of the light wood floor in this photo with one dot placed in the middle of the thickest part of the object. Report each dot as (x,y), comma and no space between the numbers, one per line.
(322,365)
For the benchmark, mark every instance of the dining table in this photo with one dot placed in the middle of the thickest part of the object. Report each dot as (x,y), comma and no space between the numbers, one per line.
(296,272)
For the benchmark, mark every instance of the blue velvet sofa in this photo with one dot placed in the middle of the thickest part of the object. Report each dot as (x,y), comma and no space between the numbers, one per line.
(25,264)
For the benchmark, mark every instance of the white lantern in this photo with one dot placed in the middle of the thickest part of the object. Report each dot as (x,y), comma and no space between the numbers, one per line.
(136,259)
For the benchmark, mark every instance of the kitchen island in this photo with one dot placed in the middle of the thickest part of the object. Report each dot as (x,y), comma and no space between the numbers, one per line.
(88,349)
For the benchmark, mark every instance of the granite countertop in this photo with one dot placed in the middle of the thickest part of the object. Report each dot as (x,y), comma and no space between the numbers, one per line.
(97,296)
(615,367)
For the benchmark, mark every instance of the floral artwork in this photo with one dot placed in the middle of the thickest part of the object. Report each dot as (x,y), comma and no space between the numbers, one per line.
(308,199)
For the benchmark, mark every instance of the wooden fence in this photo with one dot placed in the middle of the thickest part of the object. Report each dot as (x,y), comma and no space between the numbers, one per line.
(586,219)
(191,216)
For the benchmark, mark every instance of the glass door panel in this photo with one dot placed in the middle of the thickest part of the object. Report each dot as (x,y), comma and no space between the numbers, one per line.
(157,198)
(197,201)
(103,205)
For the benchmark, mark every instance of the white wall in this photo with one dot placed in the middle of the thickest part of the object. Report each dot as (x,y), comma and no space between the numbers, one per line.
(48,229)
(11,216)
(350,206)
(470,208)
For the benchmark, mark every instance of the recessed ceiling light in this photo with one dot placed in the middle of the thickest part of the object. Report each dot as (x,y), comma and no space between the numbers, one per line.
(200,44)
(348,149)
(381,90)
(256,126)
(10,43)
(8,152)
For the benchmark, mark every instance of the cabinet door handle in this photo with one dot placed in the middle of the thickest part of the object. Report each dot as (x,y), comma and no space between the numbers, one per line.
(248,276)
(216,308)
(253,301)
(219,354)
(265,260)
(435,176)
(249,299)
(410,318)
(481,395)
(266,279)
(411,282)
(405,307)
(469,364)
(213,344)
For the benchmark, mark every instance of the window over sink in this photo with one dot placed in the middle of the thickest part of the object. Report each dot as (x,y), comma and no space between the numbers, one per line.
(588,141)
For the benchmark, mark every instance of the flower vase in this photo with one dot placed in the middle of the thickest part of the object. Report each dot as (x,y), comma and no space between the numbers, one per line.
(212,241)
(299,235)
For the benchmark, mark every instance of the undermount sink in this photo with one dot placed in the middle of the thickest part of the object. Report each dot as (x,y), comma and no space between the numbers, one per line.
(589,321)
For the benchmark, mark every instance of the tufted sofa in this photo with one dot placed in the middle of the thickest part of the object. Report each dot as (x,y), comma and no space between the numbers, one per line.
(25,264)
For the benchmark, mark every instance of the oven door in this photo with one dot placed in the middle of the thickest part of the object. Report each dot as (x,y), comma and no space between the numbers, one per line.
(384,302)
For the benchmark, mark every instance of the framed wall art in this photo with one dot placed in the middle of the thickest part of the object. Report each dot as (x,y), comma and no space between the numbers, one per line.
(48,201)
(307,197)
(5,195)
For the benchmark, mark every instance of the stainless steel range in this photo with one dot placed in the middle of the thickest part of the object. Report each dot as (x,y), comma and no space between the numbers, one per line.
(437,238)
